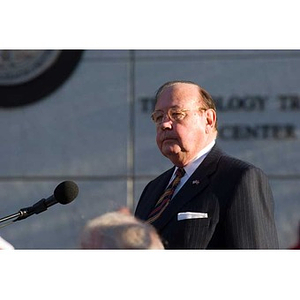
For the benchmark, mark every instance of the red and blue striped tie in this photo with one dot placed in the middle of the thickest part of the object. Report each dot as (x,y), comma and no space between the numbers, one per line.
(166,197)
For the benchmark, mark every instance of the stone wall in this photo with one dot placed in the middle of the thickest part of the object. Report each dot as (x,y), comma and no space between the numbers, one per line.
(94,128)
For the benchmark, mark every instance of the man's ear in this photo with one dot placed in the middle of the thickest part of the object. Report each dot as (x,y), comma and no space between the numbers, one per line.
(211,118)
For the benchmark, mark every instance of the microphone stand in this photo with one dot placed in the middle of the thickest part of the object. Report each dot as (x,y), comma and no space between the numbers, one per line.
(16,215)
(10,217)
(23,213)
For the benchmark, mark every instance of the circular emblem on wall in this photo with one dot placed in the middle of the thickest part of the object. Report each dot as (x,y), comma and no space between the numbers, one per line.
(27,76)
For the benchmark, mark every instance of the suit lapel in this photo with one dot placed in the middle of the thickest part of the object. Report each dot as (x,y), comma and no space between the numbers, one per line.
(195,184)
(155,193)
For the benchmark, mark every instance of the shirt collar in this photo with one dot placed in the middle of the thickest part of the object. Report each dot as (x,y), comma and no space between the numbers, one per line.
(194,164)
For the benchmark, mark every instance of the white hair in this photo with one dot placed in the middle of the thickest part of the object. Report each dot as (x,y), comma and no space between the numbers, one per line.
(117,230)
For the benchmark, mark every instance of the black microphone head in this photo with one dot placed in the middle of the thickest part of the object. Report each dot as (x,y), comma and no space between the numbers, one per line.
(66,192)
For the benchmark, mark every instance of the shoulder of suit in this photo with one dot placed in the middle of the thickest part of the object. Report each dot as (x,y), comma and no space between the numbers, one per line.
(233,167)
(238,163)
(231,162)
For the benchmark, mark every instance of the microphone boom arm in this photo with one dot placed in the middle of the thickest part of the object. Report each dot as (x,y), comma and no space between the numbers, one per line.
(64,193)
(24,213)
(10,217)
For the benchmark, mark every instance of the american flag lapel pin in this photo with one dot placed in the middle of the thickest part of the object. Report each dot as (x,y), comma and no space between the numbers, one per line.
(196,182)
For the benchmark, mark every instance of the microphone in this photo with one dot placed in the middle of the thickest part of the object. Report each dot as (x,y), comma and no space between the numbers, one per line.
(64,193)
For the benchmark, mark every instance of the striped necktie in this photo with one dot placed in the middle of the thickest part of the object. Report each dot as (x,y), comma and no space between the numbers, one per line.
(166,197)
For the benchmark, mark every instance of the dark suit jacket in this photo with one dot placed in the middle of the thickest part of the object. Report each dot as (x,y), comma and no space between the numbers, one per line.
(236,197)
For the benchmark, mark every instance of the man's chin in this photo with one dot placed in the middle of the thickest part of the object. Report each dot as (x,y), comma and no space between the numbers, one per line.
(170,151)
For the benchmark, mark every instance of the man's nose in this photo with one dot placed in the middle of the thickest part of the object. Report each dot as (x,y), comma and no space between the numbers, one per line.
(166,123)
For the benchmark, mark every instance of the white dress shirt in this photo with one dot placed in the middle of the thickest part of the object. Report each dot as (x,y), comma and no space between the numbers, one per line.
(192,166)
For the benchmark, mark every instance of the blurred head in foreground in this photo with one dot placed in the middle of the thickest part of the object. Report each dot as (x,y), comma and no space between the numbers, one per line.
(119,230)
(5,245)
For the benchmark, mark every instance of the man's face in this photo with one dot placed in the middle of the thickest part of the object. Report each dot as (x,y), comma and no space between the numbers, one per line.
(182,140)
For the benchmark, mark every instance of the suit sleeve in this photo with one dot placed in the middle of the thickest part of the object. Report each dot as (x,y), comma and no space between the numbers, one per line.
(250,220)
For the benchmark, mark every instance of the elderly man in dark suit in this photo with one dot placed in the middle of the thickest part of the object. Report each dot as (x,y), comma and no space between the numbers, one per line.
(207,200)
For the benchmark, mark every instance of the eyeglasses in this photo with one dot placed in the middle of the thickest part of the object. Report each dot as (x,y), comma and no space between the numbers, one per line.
(174,114)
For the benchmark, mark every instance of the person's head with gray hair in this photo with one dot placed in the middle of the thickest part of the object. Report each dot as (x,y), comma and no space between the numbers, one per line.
(5,245)
(119,230)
